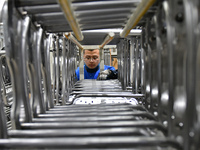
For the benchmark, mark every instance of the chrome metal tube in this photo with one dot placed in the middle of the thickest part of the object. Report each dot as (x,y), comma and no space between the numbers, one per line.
(69,14)
(141,9)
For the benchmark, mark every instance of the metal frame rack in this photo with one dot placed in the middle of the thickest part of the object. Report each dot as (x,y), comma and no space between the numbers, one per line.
(154,103)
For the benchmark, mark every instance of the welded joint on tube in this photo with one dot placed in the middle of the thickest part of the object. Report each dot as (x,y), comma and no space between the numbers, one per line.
(108,38)
(70,37)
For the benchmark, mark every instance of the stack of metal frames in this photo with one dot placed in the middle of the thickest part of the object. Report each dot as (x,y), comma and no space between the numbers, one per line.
(154,103)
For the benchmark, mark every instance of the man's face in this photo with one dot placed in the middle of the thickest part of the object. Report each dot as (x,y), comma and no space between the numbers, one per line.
(91,58)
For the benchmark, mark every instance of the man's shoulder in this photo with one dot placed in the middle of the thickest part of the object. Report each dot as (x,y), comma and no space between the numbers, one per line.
(77,70)
(77,73)
(109,67)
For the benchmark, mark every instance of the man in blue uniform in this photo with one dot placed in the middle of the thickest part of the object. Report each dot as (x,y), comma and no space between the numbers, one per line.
(92,67)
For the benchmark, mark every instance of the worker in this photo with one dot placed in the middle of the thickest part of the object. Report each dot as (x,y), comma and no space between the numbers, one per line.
(92,67)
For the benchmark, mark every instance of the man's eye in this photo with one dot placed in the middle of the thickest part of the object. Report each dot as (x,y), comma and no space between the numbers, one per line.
(95,58)
(88,58)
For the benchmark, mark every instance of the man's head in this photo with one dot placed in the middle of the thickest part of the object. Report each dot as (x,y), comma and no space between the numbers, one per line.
(91,58)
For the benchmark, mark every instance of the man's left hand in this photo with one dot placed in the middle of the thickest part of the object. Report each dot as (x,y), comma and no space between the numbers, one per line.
(103,75)
(107,74)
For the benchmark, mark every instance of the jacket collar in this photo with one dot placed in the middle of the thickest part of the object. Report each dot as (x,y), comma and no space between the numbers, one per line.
(92,70)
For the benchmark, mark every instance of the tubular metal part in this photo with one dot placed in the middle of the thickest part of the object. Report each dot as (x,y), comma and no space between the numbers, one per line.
(154,69)
(108,38)
(67,125)
(48,71)
(163,112)
(192,75)
(136,16)
(91,142)
(69,14)
(72,38)
(57,69)
(15,62)
(78,132)
(64,71)
(3,126)
(179,94)
(101,54)
(39,105)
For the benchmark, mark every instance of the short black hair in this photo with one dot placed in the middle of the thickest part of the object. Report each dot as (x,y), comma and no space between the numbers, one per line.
(89,50)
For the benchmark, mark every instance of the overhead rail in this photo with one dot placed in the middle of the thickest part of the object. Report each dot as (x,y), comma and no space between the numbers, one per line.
(108,38)
(140,11)
(69,14)
(70,37)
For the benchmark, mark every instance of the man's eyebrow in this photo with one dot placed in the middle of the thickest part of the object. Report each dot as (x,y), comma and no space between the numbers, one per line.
(92,55)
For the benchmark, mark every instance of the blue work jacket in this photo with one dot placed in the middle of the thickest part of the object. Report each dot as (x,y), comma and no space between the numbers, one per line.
(92,75)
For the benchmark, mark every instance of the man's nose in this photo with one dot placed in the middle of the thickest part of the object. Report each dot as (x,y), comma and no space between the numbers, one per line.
(91,59)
